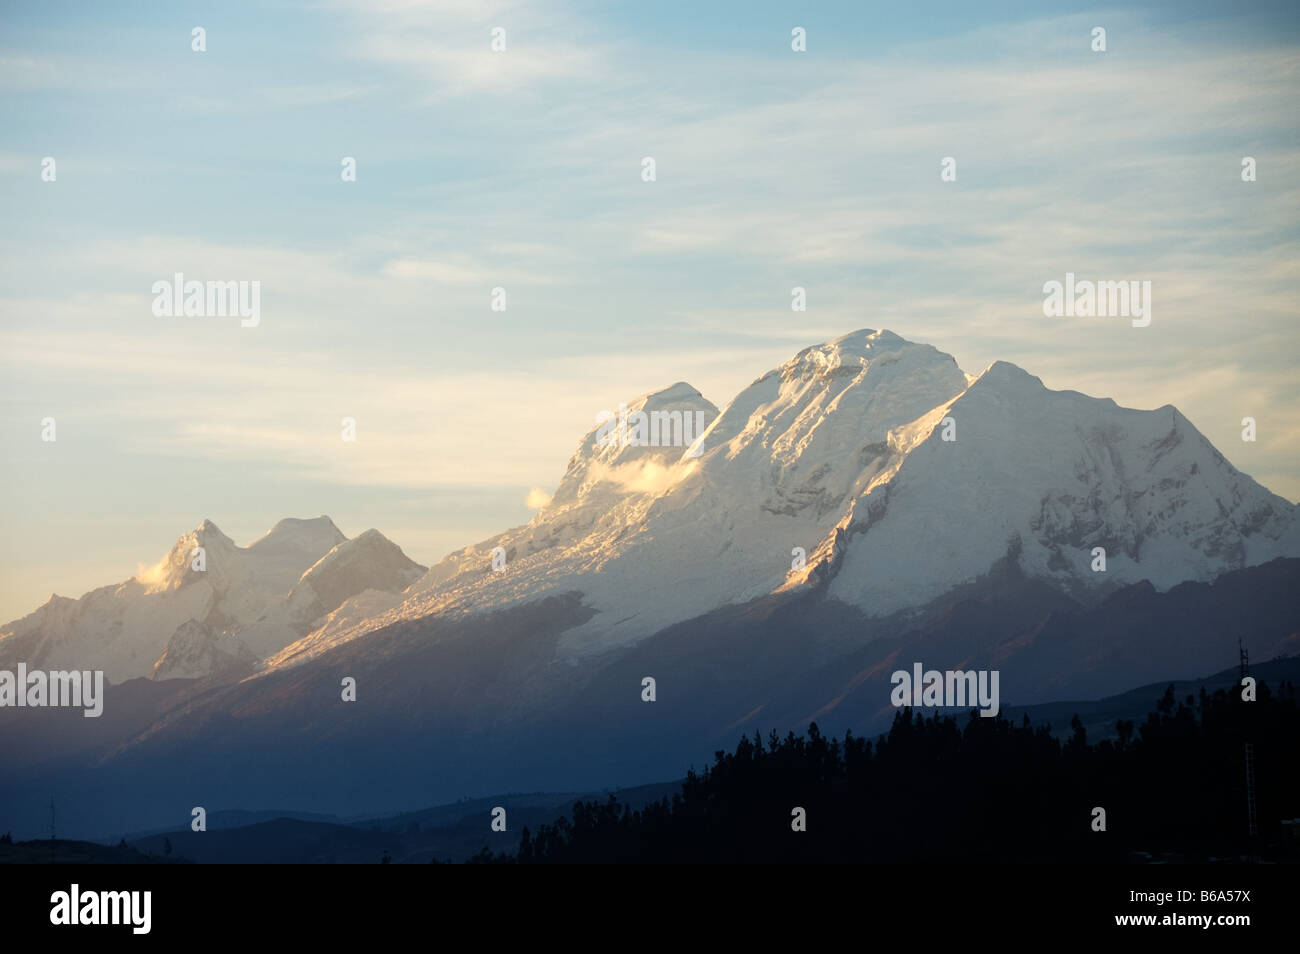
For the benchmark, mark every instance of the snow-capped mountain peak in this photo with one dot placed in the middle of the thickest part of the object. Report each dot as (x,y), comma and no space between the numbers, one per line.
(634,444)
(1049,476)
(876,468)
(303,535)
(210,605)
(178,567)
(369,561)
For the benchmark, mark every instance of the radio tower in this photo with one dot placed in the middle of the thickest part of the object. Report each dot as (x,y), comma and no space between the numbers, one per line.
(1251,827)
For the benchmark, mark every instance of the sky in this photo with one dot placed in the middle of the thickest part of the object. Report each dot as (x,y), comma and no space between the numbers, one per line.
(522,169)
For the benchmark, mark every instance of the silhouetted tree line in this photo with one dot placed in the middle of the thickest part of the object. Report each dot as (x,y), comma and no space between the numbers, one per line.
(991,791)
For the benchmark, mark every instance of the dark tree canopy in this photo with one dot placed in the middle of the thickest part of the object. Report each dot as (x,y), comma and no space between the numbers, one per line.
(932,789)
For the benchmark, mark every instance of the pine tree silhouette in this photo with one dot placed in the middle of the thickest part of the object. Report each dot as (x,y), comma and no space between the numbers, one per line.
(931,789)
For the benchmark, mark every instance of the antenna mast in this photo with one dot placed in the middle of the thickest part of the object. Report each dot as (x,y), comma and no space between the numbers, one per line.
(1252,827)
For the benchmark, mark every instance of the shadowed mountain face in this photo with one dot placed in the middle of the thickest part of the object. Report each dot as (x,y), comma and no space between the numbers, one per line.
(447,708)
(458,830)
(865,507)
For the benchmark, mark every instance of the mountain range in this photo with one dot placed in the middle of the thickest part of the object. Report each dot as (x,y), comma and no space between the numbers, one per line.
(211,607)
(865,506)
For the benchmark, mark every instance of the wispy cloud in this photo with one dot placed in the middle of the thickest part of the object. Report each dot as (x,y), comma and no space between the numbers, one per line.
(446,47)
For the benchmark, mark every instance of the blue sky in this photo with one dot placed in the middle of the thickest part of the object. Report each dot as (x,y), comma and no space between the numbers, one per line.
(522,169)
